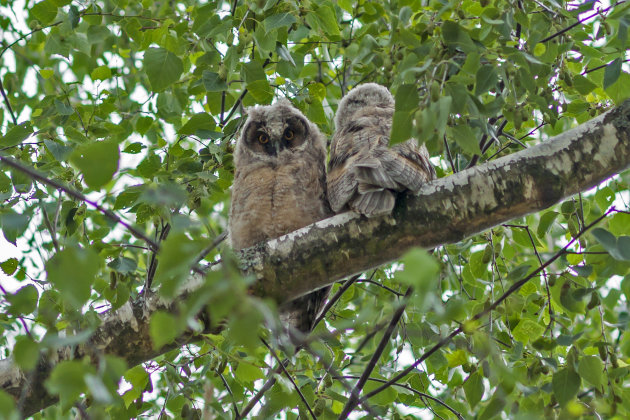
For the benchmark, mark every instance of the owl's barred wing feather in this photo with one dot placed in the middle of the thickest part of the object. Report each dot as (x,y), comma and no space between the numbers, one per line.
(408,167)
(341,187)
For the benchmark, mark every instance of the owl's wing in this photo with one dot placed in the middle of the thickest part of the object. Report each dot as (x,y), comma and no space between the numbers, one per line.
(409,165)
(341,185)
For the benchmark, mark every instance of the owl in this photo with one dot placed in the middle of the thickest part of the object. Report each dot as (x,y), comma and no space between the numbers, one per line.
(364,172)
(279,186)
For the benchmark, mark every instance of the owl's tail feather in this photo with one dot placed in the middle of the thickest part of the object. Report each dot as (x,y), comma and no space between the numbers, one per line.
(374,204)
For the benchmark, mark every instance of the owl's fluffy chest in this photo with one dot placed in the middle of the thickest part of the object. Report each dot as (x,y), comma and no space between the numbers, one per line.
(270,201)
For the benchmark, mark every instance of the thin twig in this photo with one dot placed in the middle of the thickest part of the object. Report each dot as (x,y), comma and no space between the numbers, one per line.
(382,286)
(515,287)
(334,372)
(568,28)
(288,375)
(252,403)
(227,387)
(215,242)
(356,391)
(234,107)
(415,391)
(331,302)
(77,195)
(7,103)
(51,229)
(449,156)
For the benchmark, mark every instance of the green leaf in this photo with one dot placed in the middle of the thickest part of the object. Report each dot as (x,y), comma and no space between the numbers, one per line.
(609,242)
(148,167)
(44,11)
(265,40)
(612,72)
(128,197)
(247,373)
(493,408)
(73,16)
(604,198)
(66,380)
(101,73)
(176,256)
(279,20)
(583,85)
(261,91)
(63,108)
(72,272)
(9,266)
(198,122)
(420,271)
(591,369)
(528,330)
(546,220)
(474,389)
(5,184)
(123,265)
(143,124)
(253,71)
(565,383)
(16,135)
(138,378)
(7,406)
(134,148)
(98,390)
(465,137)
(485,79)
(327,20)
(13,225)
(163,329)
(384,398)
(25,353)
(162,67)
(402,126)
(620,90)
(97,161)
(212,82)
(59,151)
(406,102)
(24,301)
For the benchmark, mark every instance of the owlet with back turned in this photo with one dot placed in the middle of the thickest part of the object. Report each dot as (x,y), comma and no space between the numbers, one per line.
(364,172)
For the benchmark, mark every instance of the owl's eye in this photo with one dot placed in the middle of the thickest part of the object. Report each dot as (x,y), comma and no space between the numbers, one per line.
(263,138)
(289,134)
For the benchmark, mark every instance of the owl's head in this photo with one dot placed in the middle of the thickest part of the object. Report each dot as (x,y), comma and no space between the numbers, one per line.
(274,131)
(367,95)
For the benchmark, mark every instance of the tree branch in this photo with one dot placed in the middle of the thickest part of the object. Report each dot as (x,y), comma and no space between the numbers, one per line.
(445,211)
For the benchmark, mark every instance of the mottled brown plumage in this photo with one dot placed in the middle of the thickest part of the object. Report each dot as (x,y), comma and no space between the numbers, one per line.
(364,172)
(279,186)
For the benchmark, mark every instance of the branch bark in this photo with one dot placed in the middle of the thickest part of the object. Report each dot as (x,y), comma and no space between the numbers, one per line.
(445,211)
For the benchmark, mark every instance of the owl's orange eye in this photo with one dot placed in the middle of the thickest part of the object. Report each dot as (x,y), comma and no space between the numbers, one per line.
(288,135)
(263,138)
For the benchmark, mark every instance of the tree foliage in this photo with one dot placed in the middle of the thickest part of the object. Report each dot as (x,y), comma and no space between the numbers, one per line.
(118,127)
